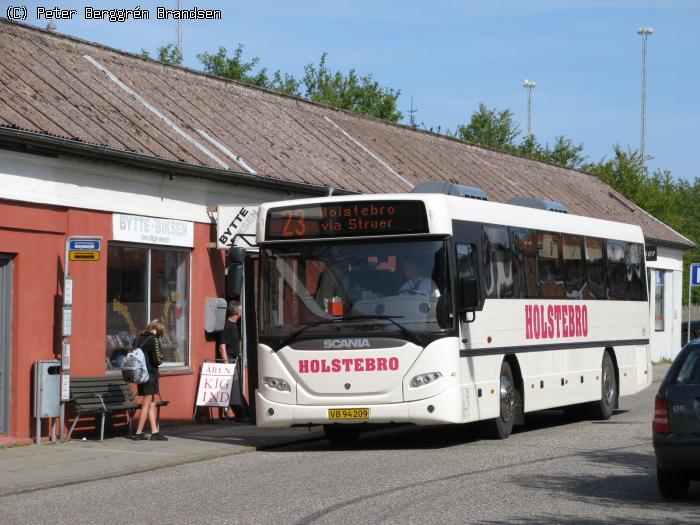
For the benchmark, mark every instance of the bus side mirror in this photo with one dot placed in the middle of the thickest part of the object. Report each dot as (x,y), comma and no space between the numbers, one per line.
(469,294)
(234,272)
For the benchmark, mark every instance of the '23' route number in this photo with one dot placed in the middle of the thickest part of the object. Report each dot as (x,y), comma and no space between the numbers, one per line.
(295,225)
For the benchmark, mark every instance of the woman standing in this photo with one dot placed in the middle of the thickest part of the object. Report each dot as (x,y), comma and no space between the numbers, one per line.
(150,342)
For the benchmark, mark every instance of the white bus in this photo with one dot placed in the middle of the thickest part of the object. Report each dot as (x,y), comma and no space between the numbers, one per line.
(437,309)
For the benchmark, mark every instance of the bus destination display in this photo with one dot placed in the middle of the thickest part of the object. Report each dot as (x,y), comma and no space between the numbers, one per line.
(346,219)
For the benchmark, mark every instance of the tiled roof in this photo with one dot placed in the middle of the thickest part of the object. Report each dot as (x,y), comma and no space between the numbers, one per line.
(86,93)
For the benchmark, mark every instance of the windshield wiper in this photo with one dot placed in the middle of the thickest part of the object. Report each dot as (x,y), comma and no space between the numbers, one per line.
(291,337)
(410,335)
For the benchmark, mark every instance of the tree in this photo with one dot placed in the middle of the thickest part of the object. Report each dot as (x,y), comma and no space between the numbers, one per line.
(236,68)
(497,129)
(169,54)
(357,94)
(565,153)
(489,127)
(350,92)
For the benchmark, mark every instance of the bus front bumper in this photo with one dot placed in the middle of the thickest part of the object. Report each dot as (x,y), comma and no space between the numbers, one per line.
(443,408)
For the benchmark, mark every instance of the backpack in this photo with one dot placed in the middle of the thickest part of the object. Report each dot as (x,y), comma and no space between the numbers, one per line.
(134,369)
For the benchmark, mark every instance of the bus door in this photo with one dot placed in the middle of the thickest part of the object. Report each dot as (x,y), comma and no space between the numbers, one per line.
(241,284)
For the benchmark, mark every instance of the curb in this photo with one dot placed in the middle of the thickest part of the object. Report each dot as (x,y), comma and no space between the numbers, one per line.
(117,473)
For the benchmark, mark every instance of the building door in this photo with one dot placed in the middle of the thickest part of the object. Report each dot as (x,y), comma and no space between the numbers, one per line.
(5,340)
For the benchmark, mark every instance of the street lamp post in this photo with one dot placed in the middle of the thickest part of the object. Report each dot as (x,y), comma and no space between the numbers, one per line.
(644,32)
(529,85)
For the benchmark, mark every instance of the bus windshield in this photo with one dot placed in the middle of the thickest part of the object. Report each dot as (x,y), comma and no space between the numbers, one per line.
(380,288)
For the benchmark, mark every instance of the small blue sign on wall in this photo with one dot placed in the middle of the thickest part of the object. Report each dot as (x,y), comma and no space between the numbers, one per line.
(695,275)
(92,245)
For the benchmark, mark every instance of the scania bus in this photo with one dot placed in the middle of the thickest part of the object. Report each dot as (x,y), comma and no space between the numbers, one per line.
(437,309)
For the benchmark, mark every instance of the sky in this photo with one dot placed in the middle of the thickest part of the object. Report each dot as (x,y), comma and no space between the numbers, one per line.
(585,57)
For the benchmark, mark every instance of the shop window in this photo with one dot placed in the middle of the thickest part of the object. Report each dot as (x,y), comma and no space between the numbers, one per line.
(145,284)
(659,301)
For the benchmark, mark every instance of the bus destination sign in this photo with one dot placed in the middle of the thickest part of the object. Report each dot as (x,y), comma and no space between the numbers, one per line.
(346,219)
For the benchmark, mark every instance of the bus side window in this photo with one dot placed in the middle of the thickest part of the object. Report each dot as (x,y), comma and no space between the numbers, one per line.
(595,269)
(551,277)
(618,284)
(466,260)
(574,265)
(498,271)
(636,273)
(524,250)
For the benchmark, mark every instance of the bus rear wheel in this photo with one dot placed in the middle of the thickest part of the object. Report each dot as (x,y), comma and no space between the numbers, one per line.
(502,426)
(609,391)
(342,433)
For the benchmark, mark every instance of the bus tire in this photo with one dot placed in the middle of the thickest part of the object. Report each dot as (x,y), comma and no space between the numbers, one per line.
(502,426)
(609,390)
(342,433)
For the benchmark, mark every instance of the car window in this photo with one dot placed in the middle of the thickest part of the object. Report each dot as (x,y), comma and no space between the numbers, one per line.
(689,371)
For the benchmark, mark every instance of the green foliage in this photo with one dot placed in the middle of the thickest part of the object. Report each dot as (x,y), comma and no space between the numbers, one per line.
(491,128)
(357,94)
(235,68)
(169,54)
(565,153)
(350,92)
(497,129)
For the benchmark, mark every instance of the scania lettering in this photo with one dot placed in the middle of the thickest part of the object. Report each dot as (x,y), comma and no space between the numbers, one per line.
(345,343)
(444,310)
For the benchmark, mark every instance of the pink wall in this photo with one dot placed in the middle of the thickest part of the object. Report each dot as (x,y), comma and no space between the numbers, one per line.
(37,236)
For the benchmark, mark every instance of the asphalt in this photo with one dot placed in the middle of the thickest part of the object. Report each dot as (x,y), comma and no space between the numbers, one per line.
(26,467)
(36,467)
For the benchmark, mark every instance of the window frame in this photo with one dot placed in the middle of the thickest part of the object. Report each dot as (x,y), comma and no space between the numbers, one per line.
(165,368)
(662,274)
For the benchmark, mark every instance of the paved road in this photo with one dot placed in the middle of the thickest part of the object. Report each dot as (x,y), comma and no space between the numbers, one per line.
(552,471)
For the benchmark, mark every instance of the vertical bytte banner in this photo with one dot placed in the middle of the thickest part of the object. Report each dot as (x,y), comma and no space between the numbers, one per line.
(215,384)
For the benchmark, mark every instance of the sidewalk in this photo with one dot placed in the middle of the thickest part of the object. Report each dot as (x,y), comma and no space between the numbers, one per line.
(27,468)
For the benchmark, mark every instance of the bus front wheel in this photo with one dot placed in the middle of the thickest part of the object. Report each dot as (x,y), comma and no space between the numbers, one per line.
(502,426)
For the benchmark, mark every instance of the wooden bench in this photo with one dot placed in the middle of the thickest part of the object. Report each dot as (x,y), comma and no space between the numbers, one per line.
(104,395)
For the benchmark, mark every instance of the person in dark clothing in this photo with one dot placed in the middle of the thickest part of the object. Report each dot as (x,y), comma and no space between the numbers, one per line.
(150,342)
(229,339)
(228,343)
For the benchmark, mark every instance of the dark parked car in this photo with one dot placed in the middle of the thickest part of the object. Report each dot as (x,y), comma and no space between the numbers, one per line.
(676,426)
(694,330)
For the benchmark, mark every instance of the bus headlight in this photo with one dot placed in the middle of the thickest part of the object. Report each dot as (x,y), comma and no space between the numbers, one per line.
(424,379)
(277,384)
